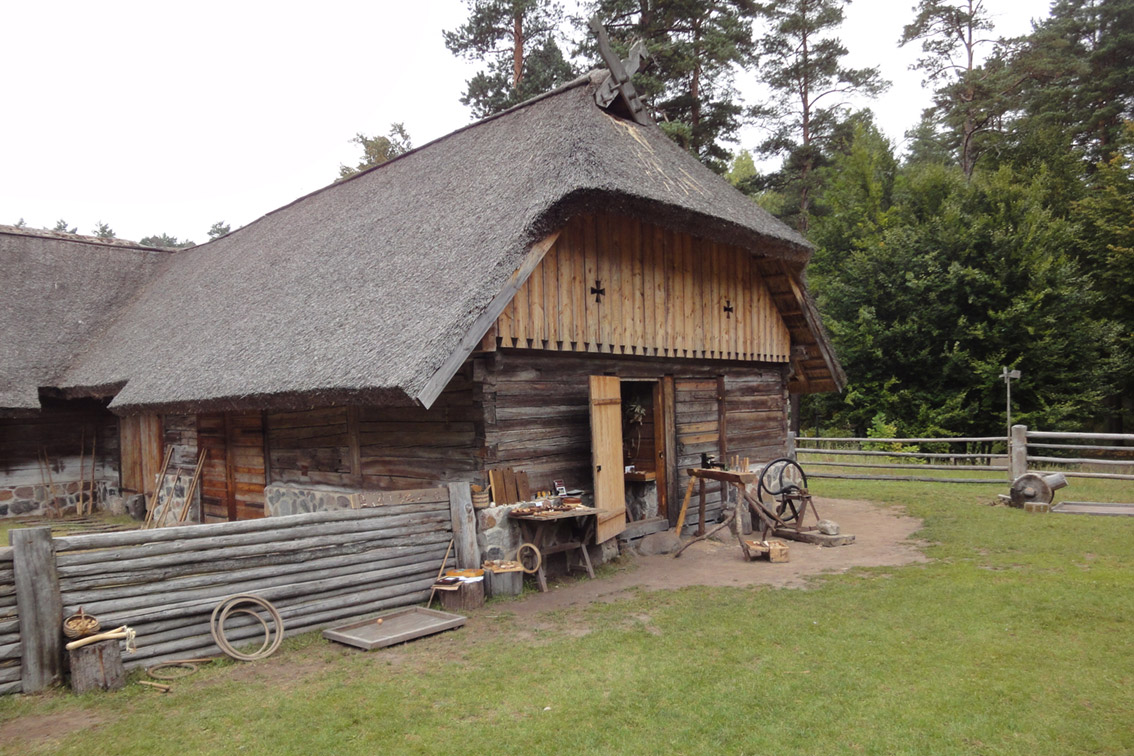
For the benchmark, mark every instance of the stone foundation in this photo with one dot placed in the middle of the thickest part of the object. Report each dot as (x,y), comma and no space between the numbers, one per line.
(497,535)
(641,500)
(172,500)
(289,499)
(31,501)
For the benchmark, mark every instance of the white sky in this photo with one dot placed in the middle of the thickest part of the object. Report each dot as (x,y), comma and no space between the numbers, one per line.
(166,117)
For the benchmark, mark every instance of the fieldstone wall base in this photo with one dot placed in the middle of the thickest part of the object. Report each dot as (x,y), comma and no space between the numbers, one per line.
(30,501)
(497,535)
(289,499)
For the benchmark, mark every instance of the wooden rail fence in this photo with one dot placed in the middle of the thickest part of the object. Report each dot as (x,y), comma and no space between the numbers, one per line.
(318,569)
(964,463)
(1111,458)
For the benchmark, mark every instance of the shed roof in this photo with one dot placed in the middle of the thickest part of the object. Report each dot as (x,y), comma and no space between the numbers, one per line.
(367,290)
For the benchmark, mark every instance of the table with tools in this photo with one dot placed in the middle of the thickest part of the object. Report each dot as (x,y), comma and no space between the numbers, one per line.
(556,532)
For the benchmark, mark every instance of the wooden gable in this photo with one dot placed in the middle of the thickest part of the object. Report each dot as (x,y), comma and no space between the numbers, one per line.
(616,285)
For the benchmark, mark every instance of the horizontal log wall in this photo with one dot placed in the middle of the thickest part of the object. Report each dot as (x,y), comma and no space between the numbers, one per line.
(614,284)
(180,432)
(387,448)
(62,427)
(317,569)
(537,418)
(698,432)
(756,418)
(10,648)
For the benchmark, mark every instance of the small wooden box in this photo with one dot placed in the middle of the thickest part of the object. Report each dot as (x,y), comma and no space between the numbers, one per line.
(1037,507)
(773,551)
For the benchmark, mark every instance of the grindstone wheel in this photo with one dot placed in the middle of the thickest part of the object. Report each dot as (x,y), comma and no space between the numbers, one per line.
(780,478)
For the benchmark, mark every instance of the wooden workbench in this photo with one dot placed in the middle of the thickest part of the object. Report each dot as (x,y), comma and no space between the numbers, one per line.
(556,533)
(698,475)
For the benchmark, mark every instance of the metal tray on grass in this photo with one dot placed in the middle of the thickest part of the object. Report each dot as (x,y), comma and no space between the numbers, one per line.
(398,626)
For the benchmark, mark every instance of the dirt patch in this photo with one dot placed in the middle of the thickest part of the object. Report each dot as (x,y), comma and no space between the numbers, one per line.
(43,730)
(882,539)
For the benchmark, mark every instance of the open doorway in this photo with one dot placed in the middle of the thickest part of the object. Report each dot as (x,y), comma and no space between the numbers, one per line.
(643,450)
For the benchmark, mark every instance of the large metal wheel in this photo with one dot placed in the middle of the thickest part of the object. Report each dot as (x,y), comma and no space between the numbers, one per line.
(781,478)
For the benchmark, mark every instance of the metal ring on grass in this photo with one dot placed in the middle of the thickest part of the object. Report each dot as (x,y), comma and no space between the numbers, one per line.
(520,557)
(230,606)
(186,669)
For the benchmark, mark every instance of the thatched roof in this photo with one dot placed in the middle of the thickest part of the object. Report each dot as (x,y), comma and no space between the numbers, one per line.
(60,292)
(364,291)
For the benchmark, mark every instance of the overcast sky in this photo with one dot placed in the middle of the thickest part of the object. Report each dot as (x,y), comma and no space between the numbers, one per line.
(160,117)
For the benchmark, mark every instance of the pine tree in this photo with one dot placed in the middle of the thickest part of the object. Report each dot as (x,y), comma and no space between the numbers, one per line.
(800,60)
(695,46)
(1081,66)
(516,40)
(970,97)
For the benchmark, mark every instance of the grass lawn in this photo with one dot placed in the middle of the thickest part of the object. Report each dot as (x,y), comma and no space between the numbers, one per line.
(1017,638)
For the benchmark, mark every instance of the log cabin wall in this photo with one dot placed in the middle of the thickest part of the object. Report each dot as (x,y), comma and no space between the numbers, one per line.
(60,428)
(537,417)
(613,284)
(180,432)
(388,448)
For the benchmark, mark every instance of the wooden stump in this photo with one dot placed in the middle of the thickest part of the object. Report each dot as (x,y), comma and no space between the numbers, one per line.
(467,596)
(97,666)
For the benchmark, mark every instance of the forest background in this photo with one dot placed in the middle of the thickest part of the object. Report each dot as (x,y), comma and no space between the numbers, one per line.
(1002,237)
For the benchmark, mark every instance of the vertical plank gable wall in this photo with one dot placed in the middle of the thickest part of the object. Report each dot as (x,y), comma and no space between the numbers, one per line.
(663,294)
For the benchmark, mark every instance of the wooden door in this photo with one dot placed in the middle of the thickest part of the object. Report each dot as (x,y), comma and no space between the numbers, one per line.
(606,455)
(142,451)
(234,475)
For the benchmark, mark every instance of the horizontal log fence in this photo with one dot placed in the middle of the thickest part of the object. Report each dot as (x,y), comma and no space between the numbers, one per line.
(317,569)
(10,648)
(900,459)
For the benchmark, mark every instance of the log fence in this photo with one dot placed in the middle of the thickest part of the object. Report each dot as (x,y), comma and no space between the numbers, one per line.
(1112,458)
(811,450)
(317,569)
(10,648)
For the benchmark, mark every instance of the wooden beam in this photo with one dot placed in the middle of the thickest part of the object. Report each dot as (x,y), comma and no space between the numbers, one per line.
(40,608)
(472,338)
(464,526)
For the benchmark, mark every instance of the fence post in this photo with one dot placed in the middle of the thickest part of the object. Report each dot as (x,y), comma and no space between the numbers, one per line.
(1018,451)
(464,526)
(40,607)
(790,446)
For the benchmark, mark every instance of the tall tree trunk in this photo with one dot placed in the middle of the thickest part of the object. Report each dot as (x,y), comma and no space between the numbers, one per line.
(691,142)
(805,168)
(517,49)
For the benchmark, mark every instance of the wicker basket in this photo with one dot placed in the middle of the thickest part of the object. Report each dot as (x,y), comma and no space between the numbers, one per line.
(80,625)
